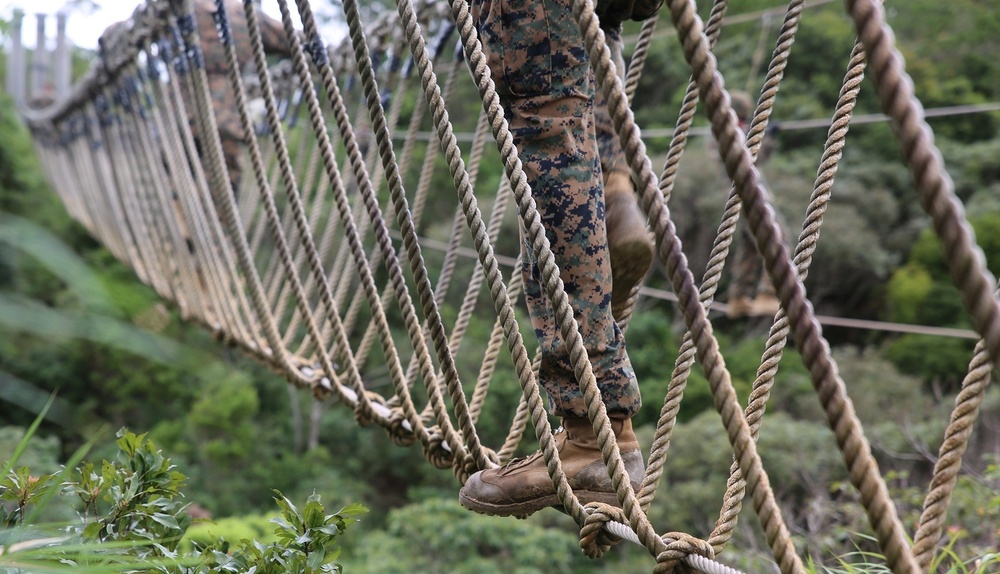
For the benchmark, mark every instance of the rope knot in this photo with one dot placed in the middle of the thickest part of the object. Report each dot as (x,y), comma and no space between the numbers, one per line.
(465,468)
(469,465)
(679,546)
(322,388)
(595,539)
(399,434)
(363,414)
(435,450)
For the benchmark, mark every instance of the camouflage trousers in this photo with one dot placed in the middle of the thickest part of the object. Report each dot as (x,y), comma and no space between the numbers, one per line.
(233,151)
(541,69)
(609,146)
(231,131)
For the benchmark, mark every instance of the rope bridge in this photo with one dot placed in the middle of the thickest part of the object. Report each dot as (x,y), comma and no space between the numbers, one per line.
(320,240)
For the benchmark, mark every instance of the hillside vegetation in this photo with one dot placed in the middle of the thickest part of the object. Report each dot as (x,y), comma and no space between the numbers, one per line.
(75,321)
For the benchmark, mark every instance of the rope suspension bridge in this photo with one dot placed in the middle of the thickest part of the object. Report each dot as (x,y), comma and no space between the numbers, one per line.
(320,240)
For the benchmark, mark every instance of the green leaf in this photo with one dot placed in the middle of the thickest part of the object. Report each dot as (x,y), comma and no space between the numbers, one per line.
(353,510)
(312,514)
(330,529)
(304,539)
(285,504)
(92,531)
(166,520)
(316,558)
(71,463)
(58,258)
(285,529)
(27,436)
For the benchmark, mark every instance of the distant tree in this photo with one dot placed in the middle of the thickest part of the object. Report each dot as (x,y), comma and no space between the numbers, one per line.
(438,536)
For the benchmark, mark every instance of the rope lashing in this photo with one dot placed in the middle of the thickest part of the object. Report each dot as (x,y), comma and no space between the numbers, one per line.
(679,547)
(298,261)
(596,537)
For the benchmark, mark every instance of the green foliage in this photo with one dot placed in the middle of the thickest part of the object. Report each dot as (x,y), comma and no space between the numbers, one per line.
(908,290)
(222,419)
(70,320)
(922,292)
(928,253)
(946,561)
(40,454)
(132,517)
(257,527)
(440,536)
(941,359)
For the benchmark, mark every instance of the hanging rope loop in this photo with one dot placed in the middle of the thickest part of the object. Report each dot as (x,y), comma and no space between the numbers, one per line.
(595,538)
(398,432)
(285,256)
(363,416)
(437,451)
(679,546)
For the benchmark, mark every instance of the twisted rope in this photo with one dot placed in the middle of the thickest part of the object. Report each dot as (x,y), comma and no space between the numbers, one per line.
(364,61)
(814,349)
(243,274)
(804,249)
(956,440)
(405,222)
(735,485)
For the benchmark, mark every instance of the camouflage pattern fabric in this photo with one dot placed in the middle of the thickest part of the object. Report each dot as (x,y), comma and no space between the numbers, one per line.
(538,61)
(609,147)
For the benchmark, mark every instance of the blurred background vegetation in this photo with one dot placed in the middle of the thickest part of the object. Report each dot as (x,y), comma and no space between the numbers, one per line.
(75,321)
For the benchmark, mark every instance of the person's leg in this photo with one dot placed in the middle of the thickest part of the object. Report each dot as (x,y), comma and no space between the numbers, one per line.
(751,292)
(548,98)
(630,242)
(542,73)
(746,273)
(766,300)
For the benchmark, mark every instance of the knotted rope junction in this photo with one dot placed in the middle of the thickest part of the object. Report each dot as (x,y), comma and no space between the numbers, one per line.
(322,236)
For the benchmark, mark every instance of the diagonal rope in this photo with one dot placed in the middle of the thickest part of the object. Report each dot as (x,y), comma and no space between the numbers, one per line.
(804,249)
(814,349)
(135,155)
(456,447)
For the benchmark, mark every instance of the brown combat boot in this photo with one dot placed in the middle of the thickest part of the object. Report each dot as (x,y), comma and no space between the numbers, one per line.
(765,304)
(629,242)
(522,486)
(739,306)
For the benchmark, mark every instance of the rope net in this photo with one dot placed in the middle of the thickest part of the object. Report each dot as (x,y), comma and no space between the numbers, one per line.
(315,263)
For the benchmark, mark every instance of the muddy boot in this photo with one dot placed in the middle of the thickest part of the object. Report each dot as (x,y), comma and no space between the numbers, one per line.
(629,242)
(523,487)
(739,306)
(765,304)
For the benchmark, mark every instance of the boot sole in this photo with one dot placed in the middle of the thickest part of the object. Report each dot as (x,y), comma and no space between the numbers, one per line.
(526,508)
